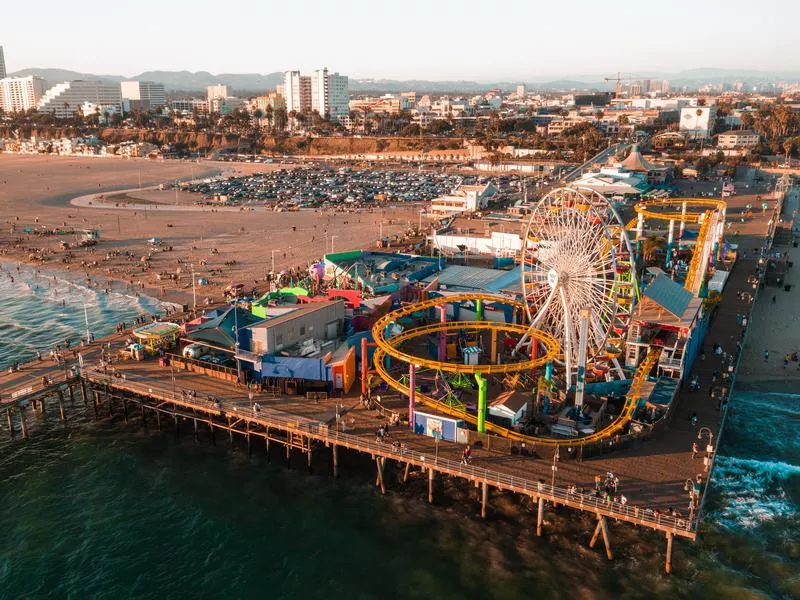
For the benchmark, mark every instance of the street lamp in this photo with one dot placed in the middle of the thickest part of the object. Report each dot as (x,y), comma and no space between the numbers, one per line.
(709,446)
(272,257)
(333,237)
(194,292)
(555,468)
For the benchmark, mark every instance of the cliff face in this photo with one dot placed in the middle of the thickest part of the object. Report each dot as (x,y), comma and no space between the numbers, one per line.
(212,142)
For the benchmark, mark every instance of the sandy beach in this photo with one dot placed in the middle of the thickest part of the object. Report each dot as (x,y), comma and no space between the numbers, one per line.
(775,328)
(225,246)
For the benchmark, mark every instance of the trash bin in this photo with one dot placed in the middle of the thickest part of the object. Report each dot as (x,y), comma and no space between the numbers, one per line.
(788,287)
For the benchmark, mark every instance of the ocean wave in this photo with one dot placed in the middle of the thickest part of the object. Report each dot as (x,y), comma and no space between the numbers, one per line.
(753,492)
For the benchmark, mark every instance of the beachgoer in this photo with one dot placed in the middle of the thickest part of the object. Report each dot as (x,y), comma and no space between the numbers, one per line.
(694,449)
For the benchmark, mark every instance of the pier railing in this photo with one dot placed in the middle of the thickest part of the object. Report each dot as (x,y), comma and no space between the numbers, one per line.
(269,417)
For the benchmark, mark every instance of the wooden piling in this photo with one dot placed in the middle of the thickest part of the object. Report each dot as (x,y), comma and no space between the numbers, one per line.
(61,414)
(405,472)
(124,409)
(539,517)
(10,423)
(84,394)
(335,460)
(430,485)
(668,563)
(196,434)
(94,402)
(379,463)
(177,429)
(71,395)
(144,417)
(595,534)
(484,498)
(158,419)
(606,538)
(23,425)
(249,441)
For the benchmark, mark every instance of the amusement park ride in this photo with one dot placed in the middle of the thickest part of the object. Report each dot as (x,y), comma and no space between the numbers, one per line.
(579,288)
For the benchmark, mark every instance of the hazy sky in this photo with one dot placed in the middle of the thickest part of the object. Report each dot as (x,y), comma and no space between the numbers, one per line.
(434,39)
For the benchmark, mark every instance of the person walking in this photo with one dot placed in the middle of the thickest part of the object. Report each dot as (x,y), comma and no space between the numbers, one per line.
(694,450)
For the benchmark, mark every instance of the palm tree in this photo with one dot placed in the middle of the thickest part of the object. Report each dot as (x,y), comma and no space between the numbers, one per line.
(650,246)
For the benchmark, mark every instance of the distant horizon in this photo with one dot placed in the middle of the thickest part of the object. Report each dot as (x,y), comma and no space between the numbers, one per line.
(592,78)
(514,40)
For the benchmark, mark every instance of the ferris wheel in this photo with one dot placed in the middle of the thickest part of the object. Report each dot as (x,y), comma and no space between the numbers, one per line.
(572,265)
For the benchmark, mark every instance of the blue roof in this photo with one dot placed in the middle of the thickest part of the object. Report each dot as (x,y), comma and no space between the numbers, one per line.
(669,295)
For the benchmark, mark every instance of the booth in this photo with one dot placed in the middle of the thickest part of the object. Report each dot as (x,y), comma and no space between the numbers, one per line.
(157,335)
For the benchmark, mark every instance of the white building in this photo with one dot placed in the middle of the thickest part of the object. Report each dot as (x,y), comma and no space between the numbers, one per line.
(735,140)
(216,91)
(326,93)
(297,90)
(188,106)
(521,90)
(698,121)
(64,99)
(20,94)
(143,95)
(465,198)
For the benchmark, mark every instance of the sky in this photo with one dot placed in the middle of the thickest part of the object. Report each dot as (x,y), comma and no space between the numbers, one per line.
(487,40)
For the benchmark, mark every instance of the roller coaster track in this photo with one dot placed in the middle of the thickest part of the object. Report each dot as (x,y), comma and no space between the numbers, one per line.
(387,347)
(696,266)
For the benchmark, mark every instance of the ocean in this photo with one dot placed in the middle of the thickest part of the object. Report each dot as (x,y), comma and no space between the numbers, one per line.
(109,510)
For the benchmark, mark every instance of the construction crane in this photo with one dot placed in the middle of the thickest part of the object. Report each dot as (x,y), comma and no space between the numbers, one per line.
(619,79)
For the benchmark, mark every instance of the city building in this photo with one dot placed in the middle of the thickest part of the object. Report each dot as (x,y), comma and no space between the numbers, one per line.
(521,90)
(297,92)
(698,121)
(187,106)
(142,95)
(326,93)
(2,64)
(736,140)
(216,91)
(465,198)
(63,100)
(20,94)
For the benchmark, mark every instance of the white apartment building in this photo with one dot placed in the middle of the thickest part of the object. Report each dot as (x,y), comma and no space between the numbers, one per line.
(188,106)
(698,121)
(64,99)
(326,93)
(20,94)
(216,91)
(735,140)
(297,90)
(143,95)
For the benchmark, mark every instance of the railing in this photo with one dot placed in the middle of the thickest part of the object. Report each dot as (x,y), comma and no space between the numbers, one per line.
(322,432)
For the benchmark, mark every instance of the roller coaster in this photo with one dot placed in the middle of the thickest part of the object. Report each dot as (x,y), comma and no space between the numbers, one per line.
(388,345)
(710,217)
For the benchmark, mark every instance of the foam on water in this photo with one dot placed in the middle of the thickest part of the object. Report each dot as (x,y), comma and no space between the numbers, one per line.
(38,310)
(752,492)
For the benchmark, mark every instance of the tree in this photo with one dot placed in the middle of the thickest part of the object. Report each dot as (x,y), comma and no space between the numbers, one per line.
(650,246)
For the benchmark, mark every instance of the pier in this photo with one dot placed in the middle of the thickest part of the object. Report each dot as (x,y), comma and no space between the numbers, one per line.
(654,468)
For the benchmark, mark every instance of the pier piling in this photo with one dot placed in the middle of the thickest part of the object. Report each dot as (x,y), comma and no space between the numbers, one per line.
(23,426)
(62,416)
(484,497)
(335,460)
(668,563)
(540,517)
(10,423)
(379,463)
(430,485)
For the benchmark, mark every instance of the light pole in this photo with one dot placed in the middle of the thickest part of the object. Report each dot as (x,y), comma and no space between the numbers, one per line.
(688,486)
(272,257)
(709,446)
(555,468)
(236,339)
(194,292)
(333,237)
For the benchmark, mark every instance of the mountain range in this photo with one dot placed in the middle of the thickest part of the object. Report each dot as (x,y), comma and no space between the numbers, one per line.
(187,81)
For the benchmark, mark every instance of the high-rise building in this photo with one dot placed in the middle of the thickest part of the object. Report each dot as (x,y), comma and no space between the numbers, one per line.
(20,94)
(664,86)
(64,99)
(521,90)
(143,95)
(636,90)
(2,64)
(655,85)
(298,91)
